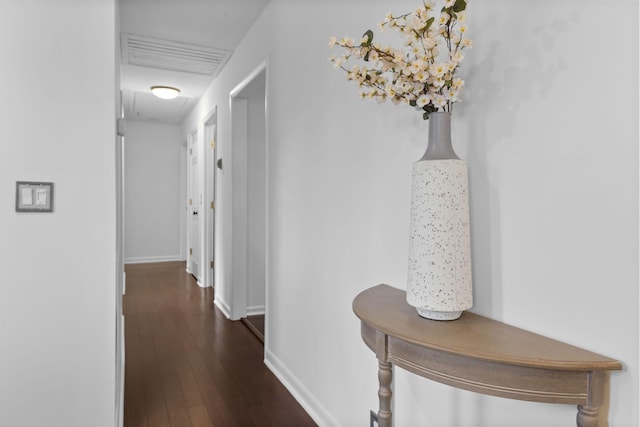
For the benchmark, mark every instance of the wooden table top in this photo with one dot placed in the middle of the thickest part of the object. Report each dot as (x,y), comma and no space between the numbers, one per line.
(385,309)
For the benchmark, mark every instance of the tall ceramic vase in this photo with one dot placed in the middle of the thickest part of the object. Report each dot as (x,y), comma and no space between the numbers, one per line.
(439,279)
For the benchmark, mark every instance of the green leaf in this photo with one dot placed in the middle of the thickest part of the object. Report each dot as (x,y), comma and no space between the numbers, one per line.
(413,103)
(369,35)
(429,108)
(428,24)
(425,116)
(366,56)
(459,5)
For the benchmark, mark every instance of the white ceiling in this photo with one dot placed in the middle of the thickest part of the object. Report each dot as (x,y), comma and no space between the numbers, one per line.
(160,36)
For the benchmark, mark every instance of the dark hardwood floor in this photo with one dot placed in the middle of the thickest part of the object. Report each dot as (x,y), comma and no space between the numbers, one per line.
(187,365)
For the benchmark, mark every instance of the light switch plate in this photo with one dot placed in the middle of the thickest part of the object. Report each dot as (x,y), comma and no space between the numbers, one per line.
(34,196)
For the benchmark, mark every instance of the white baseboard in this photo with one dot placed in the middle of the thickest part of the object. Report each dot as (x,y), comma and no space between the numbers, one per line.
(224,307)
(305,398)
(120,405)
(200,283)
(254,311)
(144,260)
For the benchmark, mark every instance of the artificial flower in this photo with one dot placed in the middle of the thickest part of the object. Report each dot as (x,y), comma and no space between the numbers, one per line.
(419,76)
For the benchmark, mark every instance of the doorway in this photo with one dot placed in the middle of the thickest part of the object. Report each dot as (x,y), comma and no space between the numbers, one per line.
(250,187)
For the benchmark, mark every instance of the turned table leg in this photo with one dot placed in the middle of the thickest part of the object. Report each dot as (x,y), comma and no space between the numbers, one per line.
(384,393)
(587,416)
(588,413)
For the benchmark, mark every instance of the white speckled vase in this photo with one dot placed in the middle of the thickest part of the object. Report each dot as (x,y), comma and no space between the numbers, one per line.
(439,279)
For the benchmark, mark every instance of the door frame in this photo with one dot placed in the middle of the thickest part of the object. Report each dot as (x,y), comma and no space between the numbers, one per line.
(120,271)
(239,245)
(210,125)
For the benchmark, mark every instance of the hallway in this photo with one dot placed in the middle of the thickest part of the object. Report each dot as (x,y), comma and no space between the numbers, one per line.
(187,365)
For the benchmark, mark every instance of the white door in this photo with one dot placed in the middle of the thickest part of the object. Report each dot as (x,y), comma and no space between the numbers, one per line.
(194,208)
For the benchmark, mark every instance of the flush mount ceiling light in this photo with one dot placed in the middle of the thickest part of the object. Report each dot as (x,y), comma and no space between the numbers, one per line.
(165,92)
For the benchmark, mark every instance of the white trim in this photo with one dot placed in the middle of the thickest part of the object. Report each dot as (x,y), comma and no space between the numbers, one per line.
(239,212)
(245,82)
(144,260)
(199,148)
(183,199)
(223,306)
(120,413)
(239,244)
(304,397)
(255,311)
(267,179)
(120,283)
(210,125)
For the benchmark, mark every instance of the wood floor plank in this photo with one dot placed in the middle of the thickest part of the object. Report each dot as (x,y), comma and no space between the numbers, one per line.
(200,417)
(157,414)
(134,415)
(187,365)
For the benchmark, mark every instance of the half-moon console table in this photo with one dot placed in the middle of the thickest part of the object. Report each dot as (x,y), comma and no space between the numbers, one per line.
(478,354)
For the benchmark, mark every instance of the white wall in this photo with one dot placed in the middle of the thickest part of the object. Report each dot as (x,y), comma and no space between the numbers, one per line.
(549,128)
(57,308)
(153,204)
